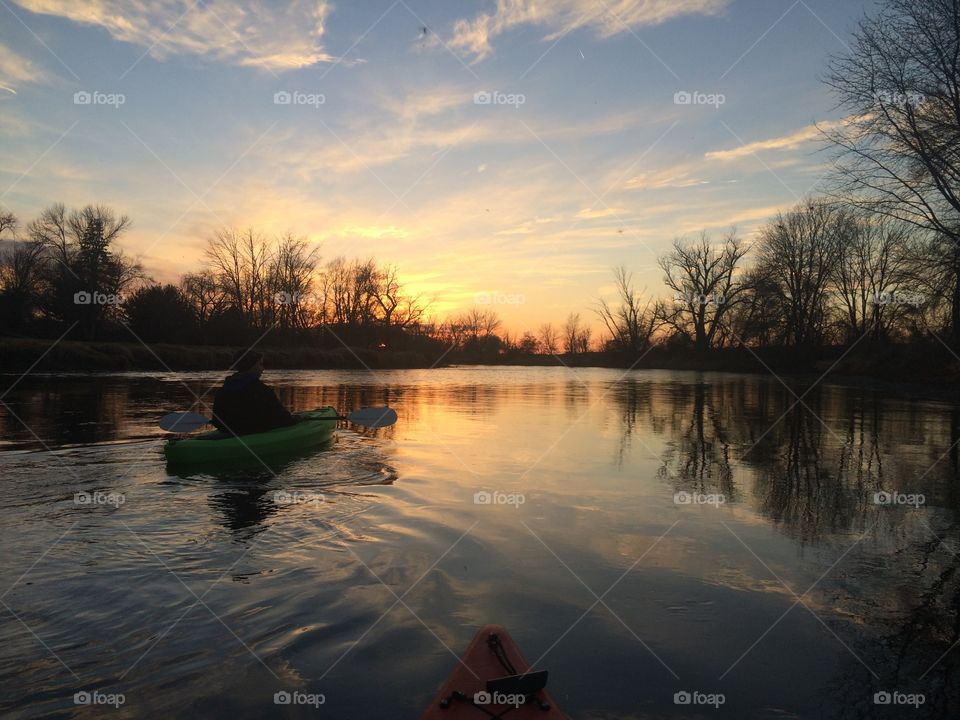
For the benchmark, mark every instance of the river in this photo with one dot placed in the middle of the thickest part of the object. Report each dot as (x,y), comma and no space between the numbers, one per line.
(759,547)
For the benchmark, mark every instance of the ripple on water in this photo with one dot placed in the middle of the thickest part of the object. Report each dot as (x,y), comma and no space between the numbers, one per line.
(303,593)
(133,578)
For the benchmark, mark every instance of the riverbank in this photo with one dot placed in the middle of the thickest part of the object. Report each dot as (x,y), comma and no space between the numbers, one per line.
(920,365)
(21,354)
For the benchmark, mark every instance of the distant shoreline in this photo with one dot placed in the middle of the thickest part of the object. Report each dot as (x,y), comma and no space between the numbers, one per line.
(907,366)
(20,354)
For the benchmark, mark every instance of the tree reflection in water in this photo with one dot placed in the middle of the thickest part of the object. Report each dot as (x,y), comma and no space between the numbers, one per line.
(813,468)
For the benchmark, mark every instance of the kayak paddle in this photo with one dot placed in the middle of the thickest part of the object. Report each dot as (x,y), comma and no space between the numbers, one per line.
(183,422)
(372,417)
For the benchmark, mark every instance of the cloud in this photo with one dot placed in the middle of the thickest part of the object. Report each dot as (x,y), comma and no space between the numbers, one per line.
(365,149)
(375,232)
(411,105)
(395,125)
(13,125)
(592,214)
(784,142)
(676,177)
(243,33)
(473,37)
(744,219)
(16,70)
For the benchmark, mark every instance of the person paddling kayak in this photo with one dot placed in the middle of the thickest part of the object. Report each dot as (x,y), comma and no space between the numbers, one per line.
(244,404)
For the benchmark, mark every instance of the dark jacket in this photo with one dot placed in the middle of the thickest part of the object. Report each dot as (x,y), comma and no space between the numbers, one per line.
(245,405)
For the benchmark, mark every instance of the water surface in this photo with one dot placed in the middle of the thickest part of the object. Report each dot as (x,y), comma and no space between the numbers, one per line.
(783,584)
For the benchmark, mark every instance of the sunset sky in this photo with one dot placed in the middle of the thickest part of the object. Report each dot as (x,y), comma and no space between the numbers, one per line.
(582,160)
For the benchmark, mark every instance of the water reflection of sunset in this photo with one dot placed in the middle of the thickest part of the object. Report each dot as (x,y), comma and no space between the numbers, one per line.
(597,456)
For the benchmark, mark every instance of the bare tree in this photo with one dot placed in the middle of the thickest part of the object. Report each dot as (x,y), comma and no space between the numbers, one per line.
(51,230)
(62,232)
(583,340)
(549,339)
(8,223)
(933,275)
(21,268)
(22,277)
(528,344)
(474,331)
(240,261)
(632,321)
(872,275)
(395,306)
(349,292)
(291,274)
(204,294)
(80,255)
(576,336)
(112,225)
(759,318)
(796,255)
(453,332)
(706,283)
(479,324)
(899,149)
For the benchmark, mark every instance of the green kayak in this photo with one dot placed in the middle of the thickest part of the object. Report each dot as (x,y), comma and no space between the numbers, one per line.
(316,428)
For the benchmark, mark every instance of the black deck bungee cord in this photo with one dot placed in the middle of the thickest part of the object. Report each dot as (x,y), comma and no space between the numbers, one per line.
(496,647)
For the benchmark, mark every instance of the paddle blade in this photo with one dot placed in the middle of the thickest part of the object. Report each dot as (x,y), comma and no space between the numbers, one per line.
(183,422)
(374,417)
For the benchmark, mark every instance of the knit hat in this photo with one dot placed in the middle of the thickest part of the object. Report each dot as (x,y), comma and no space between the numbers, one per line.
(243,360)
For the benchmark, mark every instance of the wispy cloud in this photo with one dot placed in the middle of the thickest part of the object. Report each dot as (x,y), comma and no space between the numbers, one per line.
(784,142)
(595,213)
(437,122)
(243,33)
(411,105)
(12,124)
(670,177)
(474,36)
(374,231)
(368,148)
(745,219)
(522,230)
(16,70)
